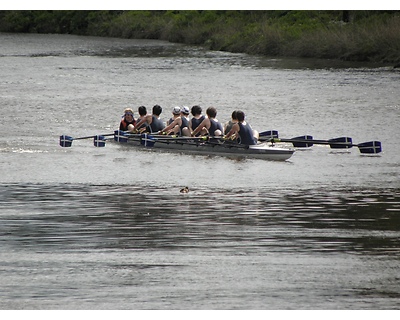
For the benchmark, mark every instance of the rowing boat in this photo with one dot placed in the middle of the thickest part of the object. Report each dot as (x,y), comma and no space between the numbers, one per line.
(198,146)
(209,146)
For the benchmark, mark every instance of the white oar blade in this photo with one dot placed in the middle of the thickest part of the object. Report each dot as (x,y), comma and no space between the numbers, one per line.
(371,147)
(66,141)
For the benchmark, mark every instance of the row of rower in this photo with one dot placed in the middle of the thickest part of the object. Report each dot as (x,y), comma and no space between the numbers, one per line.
(196,125)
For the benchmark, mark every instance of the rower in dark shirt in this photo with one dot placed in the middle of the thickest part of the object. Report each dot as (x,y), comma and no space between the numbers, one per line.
(196,119)
(177,125)
(141,126)
(152,122)
(243,131)
(210,124)
(228,125)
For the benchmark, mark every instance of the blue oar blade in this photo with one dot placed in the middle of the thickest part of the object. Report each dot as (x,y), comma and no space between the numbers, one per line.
(344,143)
(270,134)
(66,141)
(147,140)
(301,144)
(371,147)
(99,141)
(120,136)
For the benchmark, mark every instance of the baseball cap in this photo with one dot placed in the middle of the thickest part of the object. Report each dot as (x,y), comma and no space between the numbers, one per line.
(176,110)
(185,110)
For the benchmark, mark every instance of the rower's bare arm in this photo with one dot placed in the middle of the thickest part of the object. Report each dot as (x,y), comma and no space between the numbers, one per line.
(234,130)
(170,126)
(138,124)
(201,126)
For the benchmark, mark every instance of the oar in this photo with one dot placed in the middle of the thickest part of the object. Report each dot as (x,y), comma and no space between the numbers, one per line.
(122,136)
(66,141)
(270,134)
(371,147)
(273,134)
(306,141)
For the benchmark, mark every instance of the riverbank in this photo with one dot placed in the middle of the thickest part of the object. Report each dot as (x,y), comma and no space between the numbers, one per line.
(370,36)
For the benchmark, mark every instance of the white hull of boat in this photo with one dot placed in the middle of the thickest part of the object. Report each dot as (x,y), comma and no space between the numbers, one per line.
(260,151)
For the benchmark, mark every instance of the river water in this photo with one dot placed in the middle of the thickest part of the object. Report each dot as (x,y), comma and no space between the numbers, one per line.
(107,228)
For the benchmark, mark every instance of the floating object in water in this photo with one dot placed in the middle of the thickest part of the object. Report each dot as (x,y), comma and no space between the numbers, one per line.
(184,190)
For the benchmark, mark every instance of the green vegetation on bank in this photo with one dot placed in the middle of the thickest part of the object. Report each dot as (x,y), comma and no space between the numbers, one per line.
(347,35)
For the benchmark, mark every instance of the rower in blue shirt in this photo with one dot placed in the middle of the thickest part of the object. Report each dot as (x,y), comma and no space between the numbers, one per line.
(243,131)
(209,125)
(196,119)
(178,124)
(152,122)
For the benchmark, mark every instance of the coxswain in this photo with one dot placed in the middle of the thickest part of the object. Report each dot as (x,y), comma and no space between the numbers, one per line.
(128,121)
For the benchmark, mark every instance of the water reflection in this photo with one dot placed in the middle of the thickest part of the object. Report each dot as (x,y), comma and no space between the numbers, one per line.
(42,46)
(71,217)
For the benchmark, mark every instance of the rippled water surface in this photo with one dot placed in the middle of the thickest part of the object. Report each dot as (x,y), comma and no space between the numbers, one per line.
(107,228)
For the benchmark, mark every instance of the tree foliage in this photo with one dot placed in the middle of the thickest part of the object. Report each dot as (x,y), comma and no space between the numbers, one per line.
(351,35)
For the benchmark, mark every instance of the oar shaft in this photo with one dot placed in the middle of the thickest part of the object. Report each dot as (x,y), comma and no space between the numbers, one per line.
(314,141)
(81,138)
(370,147)
(90,137)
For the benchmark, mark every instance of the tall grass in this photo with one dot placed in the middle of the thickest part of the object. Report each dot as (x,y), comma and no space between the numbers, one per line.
(373,41)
